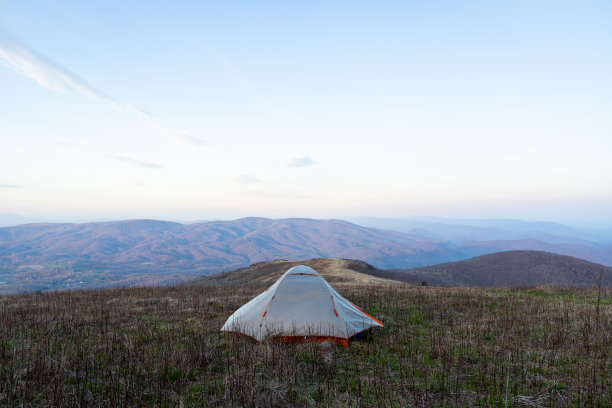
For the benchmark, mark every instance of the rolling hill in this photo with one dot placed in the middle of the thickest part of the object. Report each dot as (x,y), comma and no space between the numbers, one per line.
(465,230)
(211,246)
(148,252)
(48,256)
(266,273)
(513,268)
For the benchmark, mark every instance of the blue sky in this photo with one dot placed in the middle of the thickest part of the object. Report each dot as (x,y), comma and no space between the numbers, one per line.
(200,110)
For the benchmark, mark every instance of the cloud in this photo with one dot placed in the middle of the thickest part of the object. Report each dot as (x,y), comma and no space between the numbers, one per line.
(247,179)
(8,186)
(24,60)
(264,194)
(146,165)
(302,162)
(289,195)
(65,144)
(191,139)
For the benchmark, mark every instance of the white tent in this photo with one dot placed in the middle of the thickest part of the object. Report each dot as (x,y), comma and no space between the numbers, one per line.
(300,305)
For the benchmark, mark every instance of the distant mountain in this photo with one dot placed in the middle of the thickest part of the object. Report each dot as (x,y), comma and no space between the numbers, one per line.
(460,231)
(210,246)
(14,219)
(9,220)
(39,256)
(46,256)
(511,269)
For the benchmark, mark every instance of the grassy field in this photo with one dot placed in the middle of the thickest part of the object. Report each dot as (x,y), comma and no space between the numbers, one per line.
(440,347)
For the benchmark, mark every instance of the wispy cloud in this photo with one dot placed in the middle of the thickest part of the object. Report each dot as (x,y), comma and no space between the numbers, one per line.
(191,139)
(247,179)
(139,163)
(21,58)
(302,162)
(264,194)
(8,186)
(65,144)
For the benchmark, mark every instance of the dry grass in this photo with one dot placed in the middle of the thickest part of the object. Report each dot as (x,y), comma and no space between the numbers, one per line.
(333,270)
(440,347)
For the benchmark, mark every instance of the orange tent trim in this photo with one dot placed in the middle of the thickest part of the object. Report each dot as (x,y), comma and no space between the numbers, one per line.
(363,311)
(319,339)
(334,303)
(298,339)
(344,342)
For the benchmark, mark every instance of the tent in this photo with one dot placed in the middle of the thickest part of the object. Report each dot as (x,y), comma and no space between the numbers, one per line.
(299,306)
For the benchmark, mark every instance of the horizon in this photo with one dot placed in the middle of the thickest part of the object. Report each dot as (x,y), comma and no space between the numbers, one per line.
(199,110)
(11,220)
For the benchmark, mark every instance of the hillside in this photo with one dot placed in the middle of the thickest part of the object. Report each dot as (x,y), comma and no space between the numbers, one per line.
(161,347)
(50,256)
(513,268)
(210,246)
(266,273)
(149,252)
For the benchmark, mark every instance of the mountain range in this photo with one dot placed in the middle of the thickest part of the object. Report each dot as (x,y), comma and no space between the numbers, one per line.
(59,255)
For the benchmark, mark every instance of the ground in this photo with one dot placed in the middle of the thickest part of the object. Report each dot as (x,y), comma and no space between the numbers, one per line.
(439,347)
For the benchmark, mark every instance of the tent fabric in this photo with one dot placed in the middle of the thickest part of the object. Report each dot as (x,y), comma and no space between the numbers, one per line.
(300,305)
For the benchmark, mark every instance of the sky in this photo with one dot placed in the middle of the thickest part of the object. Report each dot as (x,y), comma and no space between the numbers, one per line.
(219,110)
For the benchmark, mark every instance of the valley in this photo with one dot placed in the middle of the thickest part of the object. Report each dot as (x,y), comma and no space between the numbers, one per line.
(147,252)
